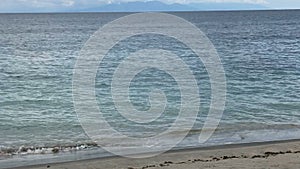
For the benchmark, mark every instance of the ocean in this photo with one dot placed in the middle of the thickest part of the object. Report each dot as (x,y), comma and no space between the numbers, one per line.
(259,50)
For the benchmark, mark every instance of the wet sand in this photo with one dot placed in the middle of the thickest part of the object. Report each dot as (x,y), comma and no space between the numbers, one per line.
(279,155)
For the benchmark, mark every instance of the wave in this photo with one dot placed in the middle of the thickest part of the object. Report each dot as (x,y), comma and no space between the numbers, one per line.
(6,152)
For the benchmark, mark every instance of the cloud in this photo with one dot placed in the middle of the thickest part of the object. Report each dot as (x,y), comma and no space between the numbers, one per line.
(68,3)
(45,3)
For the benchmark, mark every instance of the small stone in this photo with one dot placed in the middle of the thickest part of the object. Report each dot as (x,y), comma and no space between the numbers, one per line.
(168,162)
(55,150)
(225,157)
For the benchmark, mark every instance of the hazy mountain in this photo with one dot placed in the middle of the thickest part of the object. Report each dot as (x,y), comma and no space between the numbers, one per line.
(159,6)
(227,6)
(142,7)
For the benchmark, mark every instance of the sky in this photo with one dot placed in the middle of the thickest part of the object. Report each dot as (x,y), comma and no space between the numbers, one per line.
(56,5)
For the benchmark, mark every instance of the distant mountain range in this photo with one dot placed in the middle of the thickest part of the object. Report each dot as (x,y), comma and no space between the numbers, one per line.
(142,6)
(227,6)
(160,6)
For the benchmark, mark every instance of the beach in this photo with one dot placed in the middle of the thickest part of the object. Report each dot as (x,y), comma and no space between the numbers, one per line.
(281,154)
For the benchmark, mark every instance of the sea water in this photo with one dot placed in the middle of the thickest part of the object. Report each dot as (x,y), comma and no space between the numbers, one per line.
(259,50)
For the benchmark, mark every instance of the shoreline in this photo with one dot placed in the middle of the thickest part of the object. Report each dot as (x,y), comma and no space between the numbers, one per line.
(247,155)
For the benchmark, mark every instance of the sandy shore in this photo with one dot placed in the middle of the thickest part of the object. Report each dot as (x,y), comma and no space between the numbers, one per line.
(281,155)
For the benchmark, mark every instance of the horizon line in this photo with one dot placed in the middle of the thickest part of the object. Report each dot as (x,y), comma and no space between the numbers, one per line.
(154,11)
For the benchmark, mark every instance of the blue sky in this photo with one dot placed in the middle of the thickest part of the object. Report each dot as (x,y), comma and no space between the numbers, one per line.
(55,5)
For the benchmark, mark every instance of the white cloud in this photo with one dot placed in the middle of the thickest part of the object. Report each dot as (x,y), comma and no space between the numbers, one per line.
(45,3)
(68,3)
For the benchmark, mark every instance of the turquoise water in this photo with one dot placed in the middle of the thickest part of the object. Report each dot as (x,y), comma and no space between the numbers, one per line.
(260,52)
